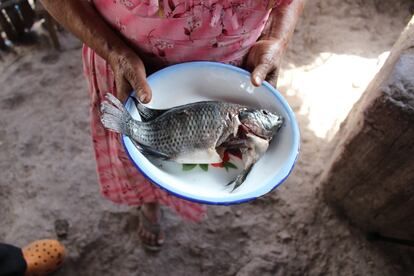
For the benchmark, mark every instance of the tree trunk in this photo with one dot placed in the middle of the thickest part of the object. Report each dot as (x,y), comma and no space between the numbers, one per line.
(370,177)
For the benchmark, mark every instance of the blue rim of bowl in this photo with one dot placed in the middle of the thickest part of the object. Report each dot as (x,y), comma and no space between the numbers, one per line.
(275,93)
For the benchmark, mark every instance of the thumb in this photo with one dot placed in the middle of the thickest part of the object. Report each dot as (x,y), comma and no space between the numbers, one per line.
(122,88)
(260,73)
(142,90)
(140,85)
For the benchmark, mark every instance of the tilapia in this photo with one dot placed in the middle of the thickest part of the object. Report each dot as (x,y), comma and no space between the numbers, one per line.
(196,133)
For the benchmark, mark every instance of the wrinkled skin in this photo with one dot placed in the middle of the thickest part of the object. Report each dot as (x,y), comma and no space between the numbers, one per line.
(265,55)
(129,74)
(130,70)
(264,60)
(129,67)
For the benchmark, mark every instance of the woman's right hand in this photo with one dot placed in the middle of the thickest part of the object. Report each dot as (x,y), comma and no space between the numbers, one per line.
(129,74)
(82,19)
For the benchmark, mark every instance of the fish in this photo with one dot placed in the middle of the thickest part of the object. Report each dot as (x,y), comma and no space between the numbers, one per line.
(196,133)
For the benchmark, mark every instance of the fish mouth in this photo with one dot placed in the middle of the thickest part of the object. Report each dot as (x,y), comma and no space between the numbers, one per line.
(243,129)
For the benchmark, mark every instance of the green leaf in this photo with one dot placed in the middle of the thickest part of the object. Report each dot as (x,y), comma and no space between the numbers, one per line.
(230,165)
(188,167)
(204,167)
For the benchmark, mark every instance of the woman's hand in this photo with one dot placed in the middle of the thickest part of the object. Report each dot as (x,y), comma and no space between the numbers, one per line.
(264,60)
(265,56)
(129,74)
(82,19)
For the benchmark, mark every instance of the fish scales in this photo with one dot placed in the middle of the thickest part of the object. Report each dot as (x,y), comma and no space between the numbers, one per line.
(194,126)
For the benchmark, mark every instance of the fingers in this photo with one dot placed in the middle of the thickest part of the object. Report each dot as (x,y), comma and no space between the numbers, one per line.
(260,73)
(129,71)
(139,83)
(123,88)
(265,58)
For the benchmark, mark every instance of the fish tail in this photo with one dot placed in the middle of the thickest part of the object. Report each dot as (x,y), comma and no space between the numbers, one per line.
(114,115)
(147,114)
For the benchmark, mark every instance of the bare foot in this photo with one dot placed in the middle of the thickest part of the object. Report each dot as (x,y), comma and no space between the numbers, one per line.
(150,230)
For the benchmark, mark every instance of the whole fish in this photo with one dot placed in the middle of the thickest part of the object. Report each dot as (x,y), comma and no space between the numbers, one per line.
(196,133)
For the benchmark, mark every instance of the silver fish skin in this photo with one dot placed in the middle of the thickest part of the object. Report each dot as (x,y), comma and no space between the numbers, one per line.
(185,134)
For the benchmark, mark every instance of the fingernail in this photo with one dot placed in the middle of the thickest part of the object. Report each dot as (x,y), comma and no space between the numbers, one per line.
(143,98)
(258,80)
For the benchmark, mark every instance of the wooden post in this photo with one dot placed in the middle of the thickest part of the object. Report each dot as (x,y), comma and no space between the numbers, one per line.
(2,42)
(15,19)
(27,13)
(370,176)
(50,23)
(7,27)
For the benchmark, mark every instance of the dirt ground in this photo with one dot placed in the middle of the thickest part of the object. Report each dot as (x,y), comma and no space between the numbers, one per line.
(47,170)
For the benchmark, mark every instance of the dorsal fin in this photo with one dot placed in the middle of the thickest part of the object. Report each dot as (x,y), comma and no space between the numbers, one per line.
(147,114)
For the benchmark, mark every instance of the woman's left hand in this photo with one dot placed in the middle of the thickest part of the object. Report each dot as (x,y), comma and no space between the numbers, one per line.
(264,61)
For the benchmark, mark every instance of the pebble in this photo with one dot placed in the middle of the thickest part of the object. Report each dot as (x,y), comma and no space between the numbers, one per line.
(284,236)
(211,229)
(61,228)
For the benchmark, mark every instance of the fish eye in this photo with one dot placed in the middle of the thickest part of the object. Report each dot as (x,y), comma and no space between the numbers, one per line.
(264,112)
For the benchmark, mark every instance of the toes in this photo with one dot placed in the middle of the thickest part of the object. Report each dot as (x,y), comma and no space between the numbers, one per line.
(144,234)
(161,238)
(147,237)
(153,239)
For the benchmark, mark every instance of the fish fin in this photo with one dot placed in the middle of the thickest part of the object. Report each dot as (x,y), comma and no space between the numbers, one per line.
(256,147)
(114,114)
(147,151)
(183,112)
(146,113)
(114,100)
(239,179)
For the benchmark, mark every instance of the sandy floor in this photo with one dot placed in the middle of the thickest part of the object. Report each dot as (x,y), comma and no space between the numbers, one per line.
(47,175)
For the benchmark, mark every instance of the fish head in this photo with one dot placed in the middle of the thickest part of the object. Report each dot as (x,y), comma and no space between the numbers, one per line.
(261,122)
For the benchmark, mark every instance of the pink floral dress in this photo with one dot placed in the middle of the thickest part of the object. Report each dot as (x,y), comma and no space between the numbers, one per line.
(174,31)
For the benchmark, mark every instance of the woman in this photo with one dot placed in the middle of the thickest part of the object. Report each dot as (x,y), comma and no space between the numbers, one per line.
(126,39)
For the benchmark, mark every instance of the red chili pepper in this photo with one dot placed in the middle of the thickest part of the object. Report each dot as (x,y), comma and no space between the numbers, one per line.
(226,158)
(218,165)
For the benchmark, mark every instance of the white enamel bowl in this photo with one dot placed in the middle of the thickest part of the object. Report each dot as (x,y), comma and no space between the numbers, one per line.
(196,81)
